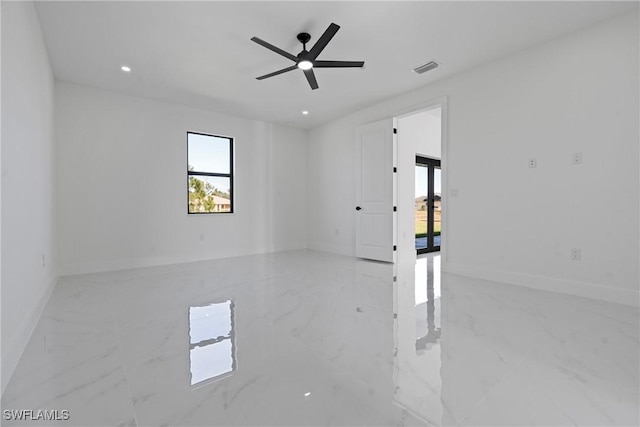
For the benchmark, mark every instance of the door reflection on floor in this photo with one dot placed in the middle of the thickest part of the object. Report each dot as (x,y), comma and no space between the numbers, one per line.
(418,355)
(427,291)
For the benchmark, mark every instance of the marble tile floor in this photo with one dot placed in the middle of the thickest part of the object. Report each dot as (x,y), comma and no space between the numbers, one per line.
(307,338)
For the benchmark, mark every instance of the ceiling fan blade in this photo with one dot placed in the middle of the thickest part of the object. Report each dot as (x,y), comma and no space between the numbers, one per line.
(337,64)
(275,73)
(322,42)
(275,49)
(311,78)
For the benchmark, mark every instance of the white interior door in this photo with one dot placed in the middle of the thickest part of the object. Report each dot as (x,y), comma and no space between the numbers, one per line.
(374,191)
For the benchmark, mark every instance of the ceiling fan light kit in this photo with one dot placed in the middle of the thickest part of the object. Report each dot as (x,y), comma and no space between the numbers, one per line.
(307,60)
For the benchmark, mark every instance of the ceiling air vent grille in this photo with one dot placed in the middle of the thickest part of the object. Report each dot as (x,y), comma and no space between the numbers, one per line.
(425,67)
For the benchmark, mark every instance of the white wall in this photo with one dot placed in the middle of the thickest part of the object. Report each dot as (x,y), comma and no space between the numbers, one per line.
(122,184)
(418,133)
(511,223)
(27,180)
(422,130)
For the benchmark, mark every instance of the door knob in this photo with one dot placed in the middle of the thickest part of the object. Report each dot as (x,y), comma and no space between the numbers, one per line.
(358,208)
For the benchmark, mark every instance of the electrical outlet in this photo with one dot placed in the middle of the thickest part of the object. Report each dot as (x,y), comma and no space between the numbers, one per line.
(202,237)
(43,261)
(576,158)
(533,163)
(576,254)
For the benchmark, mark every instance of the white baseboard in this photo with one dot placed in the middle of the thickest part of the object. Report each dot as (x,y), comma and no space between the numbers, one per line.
(332,248)
(11,354)
(570,287)
(70,268)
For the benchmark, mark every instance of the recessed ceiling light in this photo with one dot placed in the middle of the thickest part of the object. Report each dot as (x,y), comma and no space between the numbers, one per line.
(305,112)
(289,123)
(126,68)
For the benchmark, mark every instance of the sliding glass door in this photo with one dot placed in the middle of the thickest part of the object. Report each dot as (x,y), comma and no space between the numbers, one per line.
(428,205)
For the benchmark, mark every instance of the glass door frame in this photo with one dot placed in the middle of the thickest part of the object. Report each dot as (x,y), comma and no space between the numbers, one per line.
(431,165)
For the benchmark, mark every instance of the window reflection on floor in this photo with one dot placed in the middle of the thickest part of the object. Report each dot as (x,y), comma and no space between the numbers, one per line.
(427,302)
(212,342)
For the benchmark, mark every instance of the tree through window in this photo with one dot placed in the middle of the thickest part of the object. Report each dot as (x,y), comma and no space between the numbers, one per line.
(209,173)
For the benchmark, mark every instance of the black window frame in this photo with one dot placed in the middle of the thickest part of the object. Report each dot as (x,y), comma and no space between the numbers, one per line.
(214,174)
(431,165)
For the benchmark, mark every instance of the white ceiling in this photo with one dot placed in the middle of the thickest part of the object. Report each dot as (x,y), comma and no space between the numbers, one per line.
(200,54)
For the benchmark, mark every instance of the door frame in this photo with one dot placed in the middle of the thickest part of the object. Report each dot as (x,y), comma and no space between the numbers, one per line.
(447,232)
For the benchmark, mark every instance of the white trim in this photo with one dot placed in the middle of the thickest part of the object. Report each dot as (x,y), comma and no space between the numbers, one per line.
(416,108)
(73,269)
(394,195)
(12,353)
(445,231)
(563,286)
(333,248)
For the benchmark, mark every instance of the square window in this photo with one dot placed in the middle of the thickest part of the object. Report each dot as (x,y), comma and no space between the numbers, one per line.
(209,173)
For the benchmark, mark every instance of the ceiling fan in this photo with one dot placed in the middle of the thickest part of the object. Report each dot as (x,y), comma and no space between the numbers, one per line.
(306,60)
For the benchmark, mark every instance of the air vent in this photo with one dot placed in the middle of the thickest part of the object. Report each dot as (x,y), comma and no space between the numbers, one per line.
(426,67)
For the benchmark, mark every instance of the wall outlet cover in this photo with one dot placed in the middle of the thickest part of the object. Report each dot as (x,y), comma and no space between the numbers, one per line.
(576,254)
(576,158)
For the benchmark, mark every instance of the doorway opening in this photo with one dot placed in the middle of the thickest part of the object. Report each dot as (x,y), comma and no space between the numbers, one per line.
(428,205)
(421,133)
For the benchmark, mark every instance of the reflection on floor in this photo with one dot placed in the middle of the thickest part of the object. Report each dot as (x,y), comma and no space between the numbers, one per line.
(427,303)
(309,338)
(212,344)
